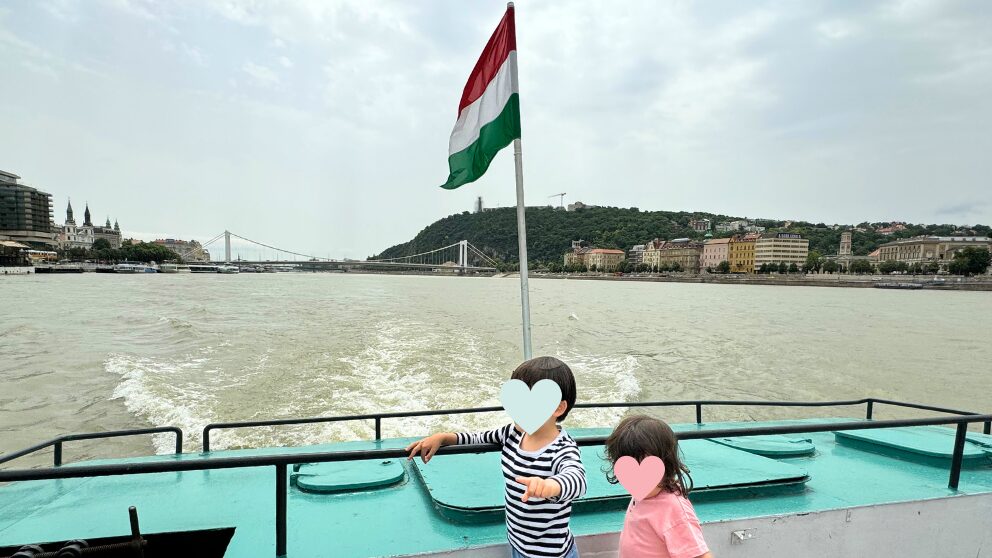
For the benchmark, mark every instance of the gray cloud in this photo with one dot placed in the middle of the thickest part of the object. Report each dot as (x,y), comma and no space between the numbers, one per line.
(323,126)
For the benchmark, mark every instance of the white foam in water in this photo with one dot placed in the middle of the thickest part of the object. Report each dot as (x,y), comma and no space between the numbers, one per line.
(404,366)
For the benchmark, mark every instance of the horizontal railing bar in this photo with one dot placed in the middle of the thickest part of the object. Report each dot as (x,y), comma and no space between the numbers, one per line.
(406,414)
(323,457)
(922,407)
(95,436)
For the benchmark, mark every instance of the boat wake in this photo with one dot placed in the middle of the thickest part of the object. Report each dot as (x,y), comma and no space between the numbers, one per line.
(397,366)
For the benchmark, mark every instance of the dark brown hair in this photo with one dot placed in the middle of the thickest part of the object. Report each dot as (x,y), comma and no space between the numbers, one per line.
(640,436)
(549,368)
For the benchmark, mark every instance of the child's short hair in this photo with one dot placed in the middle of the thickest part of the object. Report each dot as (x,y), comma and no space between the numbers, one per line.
(549,368)
(640,436)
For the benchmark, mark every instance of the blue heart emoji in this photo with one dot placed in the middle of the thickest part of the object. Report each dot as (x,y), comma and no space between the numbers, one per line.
(530,407)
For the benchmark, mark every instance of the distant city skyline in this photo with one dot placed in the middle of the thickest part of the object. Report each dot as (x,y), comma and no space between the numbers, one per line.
(322,126)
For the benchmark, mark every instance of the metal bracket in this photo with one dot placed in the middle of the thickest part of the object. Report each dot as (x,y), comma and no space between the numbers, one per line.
(738,537)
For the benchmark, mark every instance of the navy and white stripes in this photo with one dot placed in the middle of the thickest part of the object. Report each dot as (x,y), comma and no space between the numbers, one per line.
(539,526)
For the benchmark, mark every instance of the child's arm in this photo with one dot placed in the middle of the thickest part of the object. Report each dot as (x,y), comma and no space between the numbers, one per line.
(428,446)
(570,474)
(566,484)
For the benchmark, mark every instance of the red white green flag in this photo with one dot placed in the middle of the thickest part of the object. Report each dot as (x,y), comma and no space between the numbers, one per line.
(489,111)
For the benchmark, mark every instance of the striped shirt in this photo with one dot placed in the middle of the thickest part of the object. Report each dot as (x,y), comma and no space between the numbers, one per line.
(539,526)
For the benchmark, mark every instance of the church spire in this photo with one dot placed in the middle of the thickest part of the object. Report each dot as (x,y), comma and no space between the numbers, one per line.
(86,216)
(68,215)
(116,226)
(108,221)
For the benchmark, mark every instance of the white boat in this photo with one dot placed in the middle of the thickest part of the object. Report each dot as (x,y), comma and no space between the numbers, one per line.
(228,269)
(135,267)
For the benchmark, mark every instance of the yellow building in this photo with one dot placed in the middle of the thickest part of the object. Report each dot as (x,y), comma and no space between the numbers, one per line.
(741,253)
(776,248)
(603,259)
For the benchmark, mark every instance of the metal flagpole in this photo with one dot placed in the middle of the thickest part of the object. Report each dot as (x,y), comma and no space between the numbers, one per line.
(521,222)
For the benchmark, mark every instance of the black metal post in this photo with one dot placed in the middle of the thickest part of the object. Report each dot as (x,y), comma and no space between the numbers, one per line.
(378,429)
(958,455)
(281,510)
(871,405)
(699,413)
(179,441)
(206,438)
(988,427)
(58,453)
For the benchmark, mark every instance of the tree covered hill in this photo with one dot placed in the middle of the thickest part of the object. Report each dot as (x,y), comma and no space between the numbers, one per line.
(550,231)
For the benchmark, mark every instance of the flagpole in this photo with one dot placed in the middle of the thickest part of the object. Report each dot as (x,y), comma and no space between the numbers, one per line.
(521,223)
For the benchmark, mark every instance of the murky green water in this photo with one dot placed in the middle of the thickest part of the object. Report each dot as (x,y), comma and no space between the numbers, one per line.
(101,352)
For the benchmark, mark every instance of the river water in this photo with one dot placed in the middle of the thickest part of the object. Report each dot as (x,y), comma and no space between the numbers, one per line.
(81,353)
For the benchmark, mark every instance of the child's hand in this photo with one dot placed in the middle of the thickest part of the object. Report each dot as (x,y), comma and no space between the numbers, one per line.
(539,488)
(429,445)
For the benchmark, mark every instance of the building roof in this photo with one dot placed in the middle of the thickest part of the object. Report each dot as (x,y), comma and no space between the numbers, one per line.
(717,241)
(605,251)
(11,243)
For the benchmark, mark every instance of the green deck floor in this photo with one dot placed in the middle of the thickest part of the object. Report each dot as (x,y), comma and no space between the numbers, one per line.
(401,519)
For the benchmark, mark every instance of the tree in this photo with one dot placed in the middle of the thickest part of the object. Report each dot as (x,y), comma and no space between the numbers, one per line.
(592,268)
(723,267)
(970,261)
(830,266)
(793,268)
(782,268)
(861,266)
(101,244)
(931,267)
(676,266)
(814,261)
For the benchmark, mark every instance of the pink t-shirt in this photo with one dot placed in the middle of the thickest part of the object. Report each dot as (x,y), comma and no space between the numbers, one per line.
(663,526)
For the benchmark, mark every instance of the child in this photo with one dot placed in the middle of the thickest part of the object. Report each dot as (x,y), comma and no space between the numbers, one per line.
(543,471)
(663,524)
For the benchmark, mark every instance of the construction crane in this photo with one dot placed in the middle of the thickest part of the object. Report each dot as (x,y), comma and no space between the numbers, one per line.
(561,199)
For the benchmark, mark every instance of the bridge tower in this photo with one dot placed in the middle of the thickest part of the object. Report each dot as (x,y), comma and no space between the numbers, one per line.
(227,246)
(463,254)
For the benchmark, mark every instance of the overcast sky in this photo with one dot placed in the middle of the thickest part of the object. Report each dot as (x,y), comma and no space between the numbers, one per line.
(323,126)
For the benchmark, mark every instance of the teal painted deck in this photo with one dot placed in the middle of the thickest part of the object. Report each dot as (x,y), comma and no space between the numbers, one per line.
(401,518)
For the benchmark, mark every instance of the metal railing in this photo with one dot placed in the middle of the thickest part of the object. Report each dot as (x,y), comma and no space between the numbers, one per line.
(59,440)
(869,402)
(281,461)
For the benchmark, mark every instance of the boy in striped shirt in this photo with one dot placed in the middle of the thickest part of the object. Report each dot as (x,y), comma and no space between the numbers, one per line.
(542,471)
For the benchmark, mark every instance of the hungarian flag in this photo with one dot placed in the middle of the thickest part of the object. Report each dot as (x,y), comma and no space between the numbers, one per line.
(489,112)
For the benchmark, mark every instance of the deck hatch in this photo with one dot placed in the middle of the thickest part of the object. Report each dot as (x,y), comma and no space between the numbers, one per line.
(346,476)
(926,444)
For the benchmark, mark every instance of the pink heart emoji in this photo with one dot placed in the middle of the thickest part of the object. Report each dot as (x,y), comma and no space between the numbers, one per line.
(639,478)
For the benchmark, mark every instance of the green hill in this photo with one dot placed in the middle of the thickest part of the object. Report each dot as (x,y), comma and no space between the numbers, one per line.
(551,231)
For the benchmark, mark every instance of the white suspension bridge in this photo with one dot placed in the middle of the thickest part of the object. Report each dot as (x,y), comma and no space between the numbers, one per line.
(461,257)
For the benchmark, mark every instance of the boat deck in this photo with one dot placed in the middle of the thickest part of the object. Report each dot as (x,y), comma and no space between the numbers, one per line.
(365,508)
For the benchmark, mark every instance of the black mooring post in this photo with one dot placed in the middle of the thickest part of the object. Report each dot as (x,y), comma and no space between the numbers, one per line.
(958,455)
(58,454)
(871,404)
(699,413)
(280,510)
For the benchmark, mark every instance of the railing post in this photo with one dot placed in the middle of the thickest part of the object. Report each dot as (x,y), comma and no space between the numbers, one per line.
(281,510)
(871,405)
(206,438)
(179,441)
(958,455)
(988,427)
(58,453)
(378,429)
(699,413)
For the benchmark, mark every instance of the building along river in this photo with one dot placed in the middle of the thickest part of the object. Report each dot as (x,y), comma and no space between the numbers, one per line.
(104,352)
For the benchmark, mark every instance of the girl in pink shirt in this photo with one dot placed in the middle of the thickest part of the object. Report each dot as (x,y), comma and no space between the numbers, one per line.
(663,523)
